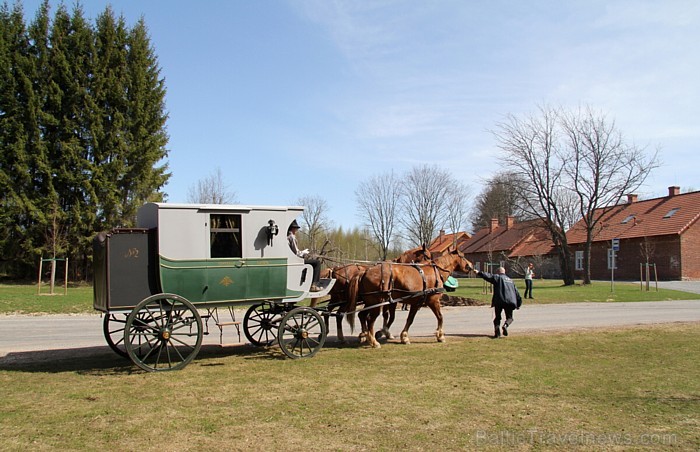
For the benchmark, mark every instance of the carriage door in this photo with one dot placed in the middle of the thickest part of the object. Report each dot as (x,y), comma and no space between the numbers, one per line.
(227,272)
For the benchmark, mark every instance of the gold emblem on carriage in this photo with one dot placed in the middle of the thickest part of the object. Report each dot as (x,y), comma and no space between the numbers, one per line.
(226,281)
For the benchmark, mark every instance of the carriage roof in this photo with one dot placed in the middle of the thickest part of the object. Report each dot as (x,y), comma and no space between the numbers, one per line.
(194,231)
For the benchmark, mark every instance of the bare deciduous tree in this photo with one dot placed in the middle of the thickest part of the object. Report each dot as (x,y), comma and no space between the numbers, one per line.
(498,199)
(425,190)
(457,208)
(314,220)
(377,204)
(211,190)
(573,162)
(602,168)
(533,152)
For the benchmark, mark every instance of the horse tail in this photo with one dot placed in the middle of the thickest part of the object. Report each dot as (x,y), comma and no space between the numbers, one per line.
(353,293)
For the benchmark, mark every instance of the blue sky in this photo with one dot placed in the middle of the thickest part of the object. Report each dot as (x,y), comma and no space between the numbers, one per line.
(311,97)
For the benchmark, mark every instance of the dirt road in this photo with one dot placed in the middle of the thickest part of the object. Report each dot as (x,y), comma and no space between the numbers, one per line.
(68,334)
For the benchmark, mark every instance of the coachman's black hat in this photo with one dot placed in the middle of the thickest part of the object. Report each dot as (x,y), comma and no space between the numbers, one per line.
(294,225)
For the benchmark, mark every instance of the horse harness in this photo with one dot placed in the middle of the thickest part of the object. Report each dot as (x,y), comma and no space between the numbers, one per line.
(387,287)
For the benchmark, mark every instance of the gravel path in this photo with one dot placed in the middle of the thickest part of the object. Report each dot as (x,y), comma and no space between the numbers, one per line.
(22,337)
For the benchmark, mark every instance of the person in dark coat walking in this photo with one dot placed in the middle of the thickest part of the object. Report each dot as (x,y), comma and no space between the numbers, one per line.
(505,298)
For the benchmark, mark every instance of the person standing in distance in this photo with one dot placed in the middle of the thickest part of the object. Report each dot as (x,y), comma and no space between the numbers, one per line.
(505,298)
(529,273)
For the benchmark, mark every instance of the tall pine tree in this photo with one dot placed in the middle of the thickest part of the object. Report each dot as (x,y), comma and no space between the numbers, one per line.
(82,132)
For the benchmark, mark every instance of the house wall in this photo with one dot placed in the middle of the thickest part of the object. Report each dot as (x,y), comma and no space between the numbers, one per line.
(690,253)
(664,251)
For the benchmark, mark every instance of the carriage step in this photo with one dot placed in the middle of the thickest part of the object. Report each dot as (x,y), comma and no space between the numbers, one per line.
(221,326)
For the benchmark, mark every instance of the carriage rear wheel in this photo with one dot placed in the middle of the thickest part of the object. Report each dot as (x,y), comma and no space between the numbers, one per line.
(260,323)
(302,333)
(113,327)
(163,332)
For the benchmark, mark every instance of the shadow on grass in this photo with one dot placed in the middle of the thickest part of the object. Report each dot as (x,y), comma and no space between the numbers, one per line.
(103,361)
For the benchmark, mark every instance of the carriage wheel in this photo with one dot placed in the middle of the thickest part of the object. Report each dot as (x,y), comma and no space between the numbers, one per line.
(163,332)
(302,333)
(260,324)
(113,327)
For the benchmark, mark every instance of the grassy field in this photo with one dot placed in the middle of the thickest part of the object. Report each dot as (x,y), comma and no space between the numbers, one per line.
(631,388)
(23,298)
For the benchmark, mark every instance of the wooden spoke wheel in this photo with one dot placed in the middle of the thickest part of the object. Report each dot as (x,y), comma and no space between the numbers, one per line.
(261,322)
(113,327)
(302,333)
(163,332)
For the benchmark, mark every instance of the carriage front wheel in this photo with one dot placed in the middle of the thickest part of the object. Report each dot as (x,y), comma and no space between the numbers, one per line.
(302,333)
(163,332)
(260,323)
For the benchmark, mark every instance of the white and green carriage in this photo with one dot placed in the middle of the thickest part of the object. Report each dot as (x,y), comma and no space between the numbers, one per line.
(160,284)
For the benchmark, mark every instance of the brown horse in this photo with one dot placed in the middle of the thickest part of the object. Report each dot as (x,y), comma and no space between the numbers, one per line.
(344,274)
(418,285)
(413,256)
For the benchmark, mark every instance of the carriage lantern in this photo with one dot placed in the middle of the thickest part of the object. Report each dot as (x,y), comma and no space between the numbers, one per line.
(272,230)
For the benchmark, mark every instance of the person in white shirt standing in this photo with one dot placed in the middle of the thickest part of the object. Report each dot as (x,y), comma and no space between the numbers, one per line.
(529,273)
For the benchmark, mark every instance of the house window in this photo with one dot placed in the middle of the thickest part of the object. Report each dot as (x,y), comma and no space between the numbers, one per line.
(672,212)
(225,235)
(579,260)
(610,259)
(477,266)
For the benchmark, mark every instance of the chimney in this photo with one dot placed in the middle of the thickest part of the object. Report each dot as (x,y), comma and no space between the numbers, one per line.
(674,191)
(509,222)
(631,198)
(494,225)
(442,235)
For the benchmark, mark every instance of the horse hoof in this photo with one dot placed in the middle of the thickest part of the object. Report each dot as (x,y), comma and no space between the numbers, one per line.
(441,339)
(378,335)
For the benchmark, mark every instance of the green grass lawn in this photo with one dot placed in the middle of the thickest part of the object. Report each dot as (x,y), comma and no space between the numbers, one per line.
(23,298)
(628,389)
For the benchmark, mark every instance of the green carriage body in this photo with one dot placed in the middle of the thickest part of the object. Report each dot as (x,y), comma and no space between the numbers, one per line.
(217,281)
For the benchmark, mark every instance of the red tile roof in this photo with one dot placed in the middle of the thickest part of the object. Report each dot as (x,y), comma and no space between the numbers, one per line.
(527,238)
(653,217)
(444,241)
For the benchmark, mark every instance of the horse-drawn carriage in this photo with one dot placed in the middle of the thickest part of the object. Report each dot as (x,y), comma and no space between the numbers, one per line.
(160,284)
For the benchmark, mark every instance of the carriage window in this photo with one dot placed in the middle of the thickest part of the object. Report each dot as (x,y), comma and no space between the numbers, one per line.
(225,235)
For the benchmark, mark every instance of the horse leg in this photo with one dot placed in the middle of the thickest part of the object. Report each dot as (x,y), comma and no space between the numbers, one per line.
(409,321)
(362,316)
(434,304)
(388,314)
(371,317)
(339,328)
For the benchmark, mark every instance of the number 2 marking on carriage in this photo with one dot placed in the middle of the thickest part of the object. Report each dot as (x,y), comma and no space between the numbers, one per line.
(132,252)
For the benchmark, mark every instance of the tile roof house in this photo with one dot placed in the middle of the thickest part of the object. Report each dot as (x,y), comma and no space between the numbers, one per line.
(664,232)
(512,246)
(444,241)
